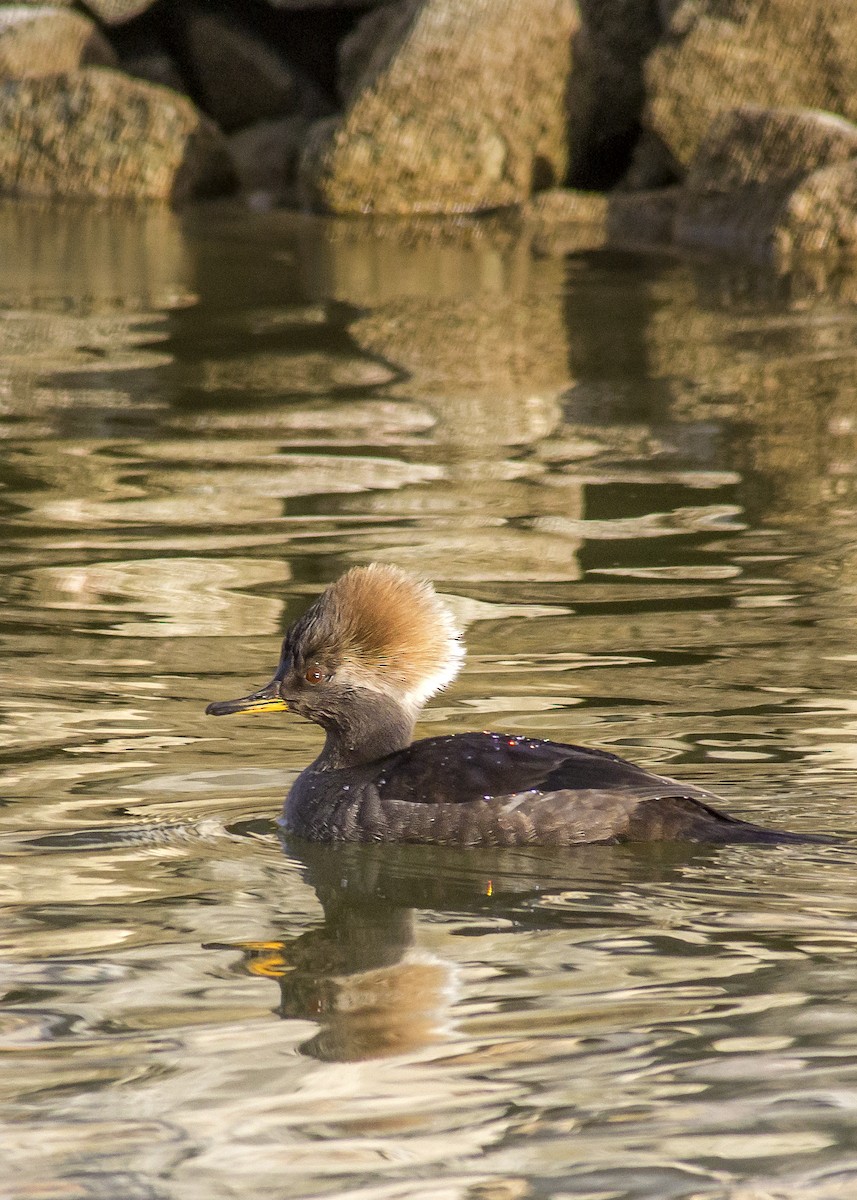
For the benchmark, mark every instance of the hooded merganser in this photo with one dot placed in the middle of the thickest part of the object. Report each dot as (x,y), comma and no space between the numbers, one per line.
(362,662)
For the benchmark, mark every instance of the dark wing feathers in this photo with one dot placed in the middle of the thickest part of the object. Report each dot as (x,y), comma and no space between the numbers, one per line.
(547,792)
(479,766)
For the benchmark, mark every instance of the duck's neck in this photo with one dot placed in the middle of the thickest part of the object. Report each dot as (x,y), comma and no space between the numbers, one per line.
(370,728)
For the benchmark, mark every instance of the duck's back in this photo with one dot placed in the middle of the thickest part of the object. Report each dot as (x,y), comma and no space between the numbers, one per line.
(504,790)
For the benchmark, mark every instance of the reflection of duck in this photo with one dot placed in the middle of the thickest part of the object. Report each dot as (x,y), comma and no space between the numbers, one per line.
(363,977)
(363,660)
(360,977)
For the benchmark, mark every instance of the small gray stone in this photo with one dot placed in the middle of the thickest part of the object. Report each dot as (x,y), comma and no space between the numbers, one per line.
(265,157)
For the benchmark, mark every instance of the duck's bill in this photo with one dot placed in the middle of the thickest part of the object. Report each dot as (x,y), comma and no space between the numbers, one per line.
(267,699)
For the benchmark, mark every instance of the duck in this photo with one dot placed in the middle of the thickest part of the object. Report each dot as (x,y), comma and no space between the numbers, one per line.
(363,661)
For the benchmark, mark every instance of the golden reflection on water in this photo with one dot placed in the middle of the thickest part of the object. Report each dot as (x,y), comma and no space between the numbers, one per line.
(634,480)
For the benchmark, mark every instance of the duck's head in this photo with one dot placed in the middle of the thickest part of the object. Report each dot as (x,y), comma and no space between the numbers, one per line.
(362,661)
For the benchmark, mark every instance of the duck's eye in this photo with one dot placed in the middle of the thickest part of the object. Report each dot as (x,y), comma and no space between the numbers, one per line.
(314,675)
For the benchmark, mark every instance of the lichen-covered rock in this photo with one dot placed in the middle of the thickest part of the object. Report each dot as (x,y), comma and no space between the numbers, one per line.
(767,145)
(749,186)
(97,133)
(459,106)
(48,41)
(820,215)
(776,53)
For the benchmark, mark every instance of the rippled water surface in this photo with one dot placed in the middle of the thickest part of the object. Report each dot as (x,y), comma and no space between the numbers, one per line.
(636,481)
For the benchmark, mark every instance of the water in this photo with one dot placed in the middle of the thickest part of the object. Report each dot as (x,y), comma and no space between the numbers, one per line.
(635,479)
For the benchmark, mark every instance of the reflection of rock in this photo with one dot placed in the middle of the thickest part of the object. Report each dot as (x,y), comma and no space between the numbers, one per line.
(189,492)
(98,133)
(104,261)
(779,53)
(375,260)
(307,374)
(565,221)
(48,41)
(792,393)
(344,423)
(494,345)
(457,106)
(492,370)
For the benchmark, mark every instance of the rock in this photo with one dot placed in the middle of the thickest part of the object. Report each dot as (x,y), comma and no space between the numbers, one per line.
(363,52)
(652,165)
(457,106)
(98,133)
(302,5)
(239,79)
(48,41)
(155,66)
(117,12)
(566,221)
(747,188)
(642,218)
(763,145)
(265,158)
(776,53)
(605,89)
(820,215)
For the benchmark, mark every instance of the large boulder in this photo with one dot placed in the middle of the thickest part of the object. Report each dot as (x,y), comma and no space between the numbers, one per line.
(457,105)
(48,41)
(776,53)
(771,180)
(97,133)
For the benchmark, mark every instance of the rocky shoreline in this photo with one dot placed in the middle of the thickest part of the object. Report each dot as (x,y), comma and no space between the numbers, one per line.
(721,125)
